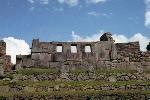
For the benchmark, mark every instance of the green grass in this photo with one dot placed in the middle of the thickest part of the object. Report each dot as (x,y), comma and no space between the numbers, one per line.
(4,83)
(37,71)
(73,83)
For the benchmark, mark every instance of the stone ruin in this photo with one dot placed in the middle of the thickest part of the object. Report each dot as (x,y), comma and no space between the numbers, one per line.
(148,47)
(103,54)
(5,60)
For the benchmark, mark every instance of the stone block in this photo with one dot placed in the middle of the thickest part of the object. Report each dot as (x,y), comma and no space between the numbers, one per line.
(1,70)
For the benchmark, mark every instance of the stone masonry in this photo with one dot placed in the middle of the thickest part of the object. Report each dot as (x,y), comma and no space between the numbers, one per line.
(5,60)
(103,54)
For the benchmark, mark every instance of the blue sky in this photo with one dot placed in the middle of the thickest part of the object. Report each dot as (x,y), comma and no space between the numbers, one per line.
(54,20)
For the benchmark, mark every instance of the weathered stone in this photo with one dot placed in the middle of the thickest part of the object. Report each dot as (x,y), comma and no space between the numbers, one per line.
(1,70)
(112,79)
(6,79)
(5,60)
(106,37)
(56,88)
(148,47)
(29,89)
(64,76)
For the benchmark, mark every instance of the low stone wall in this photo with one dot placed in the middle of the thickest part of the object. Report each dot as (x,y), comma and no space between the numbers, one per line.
(56,90)
(82,97)
(81,75)
(84,77)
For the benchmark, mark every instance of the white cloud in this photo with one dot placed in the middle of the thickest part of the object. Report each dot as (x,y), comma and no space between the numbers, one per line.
(69,2)
(147,19)
(147,13)
(119,38)
(76,2)
(95,1)
(78,38)
(31,1)
(147,2)
(16,47)
(44,2)
(93,13)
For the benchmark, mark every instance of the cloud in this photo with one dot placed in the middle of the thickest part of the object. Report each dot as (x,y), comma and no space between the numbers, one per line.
(147,13)
(147,19)
(76,2)
(95,1)
(93,13)
(78,38)
(69,2)
(44,2)
(119,38)
(136,37)
(16,47)
(31,1)
(32,8)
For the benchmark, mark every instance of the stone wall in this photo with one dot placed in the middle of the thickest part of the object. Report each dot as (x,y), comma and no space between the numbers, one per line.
(131,47)
(46,54)
(103,54)
(5,60)
(2,48)
(83,75)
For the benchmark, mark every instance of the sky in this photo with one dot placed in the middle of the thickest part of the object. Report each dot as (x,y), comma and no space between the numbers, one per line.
(72,20)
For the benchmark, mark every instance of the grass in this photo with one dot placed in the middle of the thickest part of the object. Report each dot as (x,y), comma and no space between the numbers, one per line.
(37,71)
(73,83)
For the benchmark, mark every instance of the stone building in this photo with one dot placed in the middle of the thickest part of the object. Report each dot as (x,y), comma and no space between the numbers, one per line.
(5,60)
(71,55)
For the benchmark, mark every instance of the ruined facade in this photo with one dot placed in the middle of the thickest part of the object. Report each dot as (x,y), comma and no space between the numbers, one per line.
(71,55)
(5,60)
